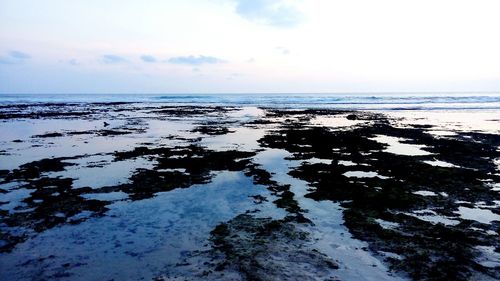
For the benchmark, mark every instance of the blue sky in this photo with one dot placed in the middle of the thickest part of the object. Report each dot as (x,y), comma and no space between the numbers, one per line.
(162,46)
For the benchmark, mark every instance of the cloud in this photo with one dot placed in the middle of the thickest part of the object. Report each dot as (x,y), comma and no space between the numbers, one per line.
(14,57)
(73,62)
(193,60)
(148,58)
(269,12)
(19,55)
(112,59)
(283,50)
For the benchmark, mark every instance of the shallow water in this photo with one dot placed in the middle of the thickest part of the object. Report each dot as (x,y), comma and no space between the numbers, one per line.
(330,235)
(136,240)
(97,226)
(397,146)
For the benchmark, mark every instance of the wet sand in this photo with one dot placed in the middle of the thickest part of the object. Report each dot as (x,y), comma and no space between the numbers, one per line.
(138,191)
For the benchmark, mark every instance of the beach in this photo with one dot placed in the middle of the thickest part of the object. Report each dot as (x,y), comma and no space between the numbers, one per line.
(141,190)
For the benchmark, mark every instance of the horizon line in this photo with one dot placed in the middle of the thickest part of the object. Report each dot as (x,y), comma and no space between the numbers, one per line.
(256,93)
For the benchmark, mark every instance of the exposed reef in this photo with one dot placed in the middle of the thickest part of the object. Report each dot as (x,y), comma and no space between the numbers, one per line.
(266,249)
(424,205)
(382,201)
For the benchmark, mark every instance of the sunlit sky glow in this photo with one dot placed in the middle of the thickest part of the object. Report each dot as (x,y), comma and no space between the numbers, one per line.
(223,46)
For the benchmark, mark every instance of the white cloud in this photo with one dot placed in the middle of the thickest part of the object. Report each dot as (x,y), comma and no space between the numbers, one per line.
(14,57)
(112,59)
(270,12)
(283,50)
(148,58)
(195,60)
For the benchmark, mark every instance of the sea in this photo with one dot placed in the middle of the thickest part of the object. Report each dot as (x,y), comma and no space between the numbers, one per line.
(361,101)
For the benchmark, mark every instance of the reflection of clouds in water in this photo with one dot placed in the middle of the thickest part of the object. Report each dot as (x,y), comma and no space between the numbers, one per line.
(363,174)
(433,217)
(396,146)
(157,132)
(439,163)
(445,121)
(106,172)
(336,121)
(476,214)
(147,235)
(14,197)
(24,129)
(242,138)
(328,229)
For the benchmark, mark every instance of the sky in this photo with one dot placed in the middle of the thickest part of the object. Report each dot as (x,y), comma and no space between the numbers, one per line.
(249,46)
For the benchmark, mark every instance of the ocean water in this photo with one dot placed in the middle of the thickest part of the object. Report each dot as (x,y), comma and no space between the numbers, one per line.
(387,101)
(144,239)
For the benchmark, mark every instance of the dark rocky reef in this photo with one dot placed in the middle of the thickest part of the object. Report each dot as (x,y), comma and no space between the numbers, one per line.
(184,111)
(35,169)
(212,130)
(54,201)
(178,167)
(266,249)
(263,249)
(430,251)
